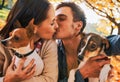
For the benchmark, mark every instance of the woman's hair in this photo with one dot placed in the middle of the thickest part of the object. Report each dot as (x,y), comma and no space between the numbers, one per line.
(23,11)
(78,13)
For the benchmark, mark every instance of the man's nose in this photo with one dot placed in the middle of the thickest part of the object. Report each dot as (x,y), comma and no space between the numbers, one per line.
(56,25)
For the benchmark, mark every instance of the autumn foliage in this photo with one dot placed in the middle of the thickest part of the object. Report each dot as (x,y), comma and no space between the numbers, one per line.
(2,23)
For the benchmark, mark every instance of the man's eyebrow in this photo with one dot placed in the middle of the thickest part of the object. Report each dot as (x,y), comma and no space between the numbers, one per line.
(62,15)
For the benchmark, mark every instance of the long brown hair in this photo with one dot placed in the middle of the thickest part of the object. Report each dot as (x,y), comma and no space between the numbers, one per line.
(24,11)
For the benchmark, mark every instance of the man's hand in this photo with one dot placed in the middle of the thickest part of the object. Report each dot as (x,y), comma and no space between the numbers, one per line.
(93,66)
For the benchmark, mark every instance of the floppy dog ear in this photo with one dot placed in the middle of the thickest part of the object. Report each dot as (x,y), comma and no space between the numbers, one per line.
(17,24)
(106,43)
(30,28)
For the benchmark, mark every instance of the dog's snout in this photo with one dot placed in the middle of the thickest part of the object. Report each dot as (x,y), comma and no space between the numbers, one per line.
(4,42)
(80,57)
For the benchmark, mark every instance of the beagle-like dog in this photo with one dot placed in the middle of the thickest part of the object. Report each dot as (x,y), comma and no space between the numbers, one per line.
(91,45)
(21,41)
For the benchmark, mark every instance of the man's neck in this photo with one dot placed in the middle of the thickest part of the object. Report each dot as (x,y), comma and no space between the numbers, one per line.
(71,45)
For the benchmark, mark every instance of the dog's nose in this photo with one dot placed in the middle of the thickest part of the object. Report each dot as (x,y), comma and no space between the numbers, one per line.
(80,57)
(3,42)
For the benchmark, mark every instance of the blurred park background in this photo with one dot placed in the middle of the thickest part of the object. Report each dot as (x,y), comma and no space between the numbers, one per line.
(103,17)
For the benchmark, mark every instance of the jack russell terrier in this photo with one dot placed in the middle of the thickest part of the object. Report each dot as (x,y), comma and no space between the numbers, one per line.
(21,42)
(90,45)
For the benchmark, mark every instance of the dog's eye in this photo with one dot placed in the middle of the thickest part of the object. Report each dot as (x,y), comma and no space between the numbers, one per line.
(93,47)
(16,38)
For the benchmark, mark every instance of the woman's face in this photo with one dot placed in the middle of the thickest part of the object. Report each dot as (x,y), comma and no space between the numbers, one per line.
(48,27)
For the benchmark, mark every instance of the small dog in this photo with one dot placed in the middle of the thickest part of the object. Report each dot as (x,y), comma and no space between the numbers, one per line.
(22,43)
(90,45)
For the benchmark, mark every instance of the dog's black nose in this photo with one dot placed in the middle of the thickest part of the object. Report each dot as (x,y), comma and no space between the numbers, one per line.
(3,42)
(80,57)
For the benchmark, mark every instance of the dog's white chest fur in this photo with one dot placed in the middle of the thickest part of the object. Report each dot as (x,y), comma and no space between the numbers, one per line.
(38,61)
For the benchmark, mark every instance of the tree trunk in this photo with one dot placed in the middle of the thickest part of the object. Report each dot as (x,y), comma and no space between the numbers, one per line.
(111,30)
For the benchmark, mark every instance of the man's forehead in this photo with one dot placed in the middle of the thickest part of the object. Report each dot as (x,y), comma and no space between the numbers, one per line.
(63,11)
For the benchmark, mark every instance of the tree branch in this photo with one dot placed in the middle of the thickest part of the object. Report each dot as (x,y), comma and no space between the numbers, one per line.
(118,1)
(96,9)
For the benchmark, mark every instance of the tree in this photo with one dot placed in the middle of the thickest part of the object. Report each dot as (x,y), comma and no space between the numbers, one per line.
(109,9)
(2,4)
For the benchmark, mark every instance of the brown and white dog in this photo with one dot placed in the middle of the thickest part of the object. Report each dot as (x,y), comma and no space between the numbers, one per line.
(91,45)
(21,42)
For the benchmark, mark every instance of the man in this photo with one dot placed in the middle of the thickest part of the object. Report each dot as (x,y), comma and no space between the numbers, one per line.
(72,21)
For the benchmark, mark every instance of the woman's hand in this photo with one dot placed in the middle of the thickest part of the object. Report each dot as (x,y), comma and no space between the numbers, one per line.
(93,66)
(17,74)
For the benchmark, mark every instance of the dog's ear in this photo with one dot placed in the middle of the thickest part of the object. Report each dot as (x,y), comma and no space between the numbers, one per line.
(17,24)
(30,28)
(106,43)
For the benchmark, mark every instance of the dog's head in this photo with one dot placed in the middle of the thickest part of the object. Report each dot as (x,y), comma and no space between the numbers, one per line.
(19,37)
(91,44)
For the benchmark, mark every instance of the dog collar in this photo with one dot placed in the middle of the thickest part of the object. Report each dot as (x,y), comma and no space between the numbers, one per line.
(22,55)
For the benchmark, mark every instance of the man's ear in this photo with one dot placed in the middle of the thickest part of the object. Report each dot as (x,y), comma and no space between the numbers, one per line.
(79,25)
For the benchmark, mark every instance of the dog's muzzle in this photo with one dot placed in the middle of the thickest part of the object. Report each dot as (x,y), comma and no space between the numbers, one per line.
(4,41)
(81,48)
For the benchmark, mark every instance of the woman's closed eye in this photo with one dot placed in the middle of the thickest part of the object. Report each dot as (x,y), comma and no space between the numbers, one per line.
(52,23)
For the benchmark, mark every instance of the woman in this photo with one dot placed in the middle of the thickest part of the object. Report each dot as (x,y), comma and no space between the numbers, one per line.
(43,14)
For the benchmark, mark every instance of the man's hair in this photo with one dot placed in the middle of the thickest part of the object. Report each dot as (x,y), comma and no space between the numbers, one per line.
(78,14)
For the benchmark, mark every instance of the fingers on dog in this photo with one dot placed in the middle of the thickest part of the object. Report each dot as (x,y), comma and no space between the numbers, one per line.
(12,63)
(100,58)
(30,66)
(30,73)
(21,63)
(103,62)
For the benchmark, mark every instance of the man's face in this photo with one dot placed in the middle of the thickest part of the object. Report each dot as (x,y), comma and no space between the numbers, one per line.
(64,18)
